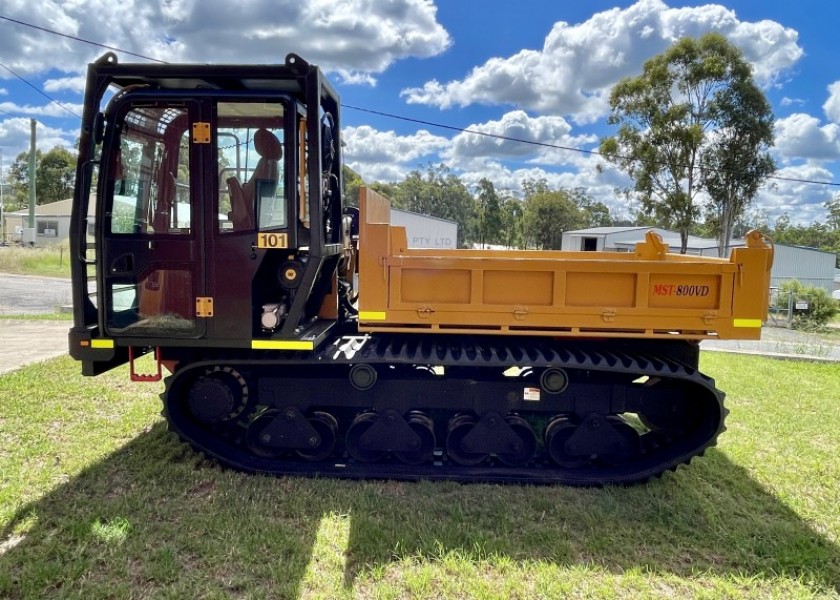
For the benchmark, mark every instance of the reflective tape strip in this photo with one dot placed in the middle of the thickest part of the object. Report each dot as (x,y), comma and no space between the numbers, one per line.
(102,343)
(372,315)
(282,345)
(747,322)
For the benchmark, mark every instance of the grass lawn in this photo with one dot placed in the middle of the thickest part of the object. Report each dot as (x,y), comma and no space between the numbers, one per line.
(46,261)
(97,500)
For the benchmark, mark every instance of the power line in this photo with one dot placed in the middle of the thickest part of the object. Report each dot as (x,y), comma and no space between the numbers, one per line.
(78,39)
(365,110)
(542,144)
(43,93)
(472,131)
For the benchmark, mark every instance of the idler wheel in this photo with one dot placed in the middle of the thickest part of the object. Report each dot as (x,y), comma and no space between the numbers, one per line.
(327,428)
(425,429)
(258,439)
(526,446)
(357,429)
(459,427)
(219,395)
(557,434)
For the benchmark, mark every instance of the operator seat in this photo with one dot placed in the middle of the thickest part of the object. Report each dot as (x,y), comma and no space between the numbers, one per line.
(243,196)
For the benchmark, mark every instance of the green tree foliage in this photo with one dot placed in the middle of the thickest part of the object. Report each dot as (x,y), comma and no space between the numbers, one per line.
(18,179)
(439,193)
(823,236)
(690,106)
(513,211)
(548,213)
(595,214)
(55,174)
(352,183)
(832,208)
(737,160)
(490,218)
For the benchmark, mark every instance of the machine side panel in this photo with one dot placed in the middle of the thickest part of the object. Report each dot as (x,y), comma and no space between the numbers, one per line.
(648,293)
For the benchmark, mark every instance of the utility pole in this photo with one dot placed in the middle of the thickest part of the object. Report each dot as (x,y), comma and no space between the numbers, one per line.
(29,234)
(2,206)
(32,176)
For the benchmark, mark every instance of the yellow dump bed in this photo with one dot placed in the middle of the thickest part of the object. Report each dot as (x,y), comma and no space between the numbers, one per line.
(646,293)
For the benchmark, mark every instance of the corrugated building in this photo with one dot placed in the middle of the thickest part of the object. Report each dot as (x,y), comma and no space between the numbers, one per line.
(624,239)
(426,232)
(807,265)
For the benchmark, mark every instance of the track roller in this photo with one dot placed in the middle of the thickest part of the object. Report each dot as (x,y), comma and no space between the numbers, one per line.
(360,425)
(275,430)
(609,440)
(459,427)
(258,437)
(557,434)
(425,430)
(327,428)
(524,450)
(371,435)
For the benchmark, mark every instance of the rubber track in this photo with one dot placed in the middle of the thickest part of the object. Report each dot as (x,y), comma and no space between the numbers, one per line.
(491,351)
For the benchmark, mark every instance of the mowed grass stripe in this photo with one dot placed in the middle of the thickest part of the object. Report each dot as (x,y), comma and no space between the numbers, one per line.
(97,500)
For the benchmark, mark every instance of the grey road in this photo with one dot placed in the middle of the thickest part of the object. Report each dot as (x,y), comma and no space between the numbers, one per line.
(25,295)
(25,342)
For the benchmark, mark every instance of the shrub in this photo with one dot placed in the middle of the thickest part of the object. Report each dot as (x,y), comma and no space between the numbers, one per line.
(821,306)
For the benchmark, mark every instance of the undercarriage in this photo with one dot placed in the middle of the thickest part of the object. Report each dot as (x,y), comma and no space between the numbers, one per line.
(437,407)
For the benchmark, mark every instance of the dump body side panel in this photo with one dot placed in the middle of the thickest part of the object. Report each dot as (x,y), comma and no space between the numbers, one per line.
(648,293)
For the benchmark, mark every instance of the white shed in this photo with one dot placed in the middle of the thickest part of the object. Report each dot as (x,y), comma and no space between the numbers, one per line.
(597,239)
(52,222)
(809,266)
(624,239)
(426,232)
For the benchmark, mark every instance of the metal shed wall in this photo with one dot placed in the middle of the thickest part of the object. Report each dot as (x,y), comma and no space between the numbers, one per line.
(422,231)
(807,265)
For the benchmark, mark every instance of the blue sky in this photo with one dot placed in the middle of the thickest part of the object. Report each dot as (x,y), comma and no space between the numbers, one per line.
(537,69)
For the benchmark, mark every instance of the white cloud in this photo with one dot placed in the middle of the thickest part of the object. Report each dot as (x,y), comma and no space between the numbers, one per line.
(358,39)
(572,73)
(48,110)
(385,155)
(496,144)
(801,136)
(832,105)
(802,202)
(14,138)
(792,101)
(70,84)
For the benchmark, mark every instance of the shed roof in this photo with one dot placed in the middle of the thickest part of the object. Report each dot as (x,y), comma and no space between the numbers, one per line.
(62,208)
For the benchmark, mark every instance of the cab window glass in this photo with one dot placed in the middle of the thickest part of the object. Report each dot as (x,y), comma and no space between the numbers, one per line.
(151,174)
(250,164)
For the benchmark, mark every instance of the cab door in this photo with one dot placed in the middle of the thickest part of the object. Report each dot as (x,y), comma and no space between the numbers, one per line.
(253,183)
(151,212)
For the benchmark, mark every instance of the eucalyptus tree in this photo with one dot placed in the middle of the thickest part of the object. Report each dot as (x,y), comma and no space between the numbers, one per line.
(693,121)
(490,218)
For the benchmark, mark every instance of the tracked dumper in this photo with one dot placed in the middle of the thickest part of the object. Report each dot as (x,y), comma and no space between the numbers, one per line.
(306,338)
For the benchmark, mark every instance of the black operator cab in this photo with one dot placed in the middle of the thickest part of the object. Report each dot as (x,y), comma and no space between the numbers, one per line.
(207,210)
